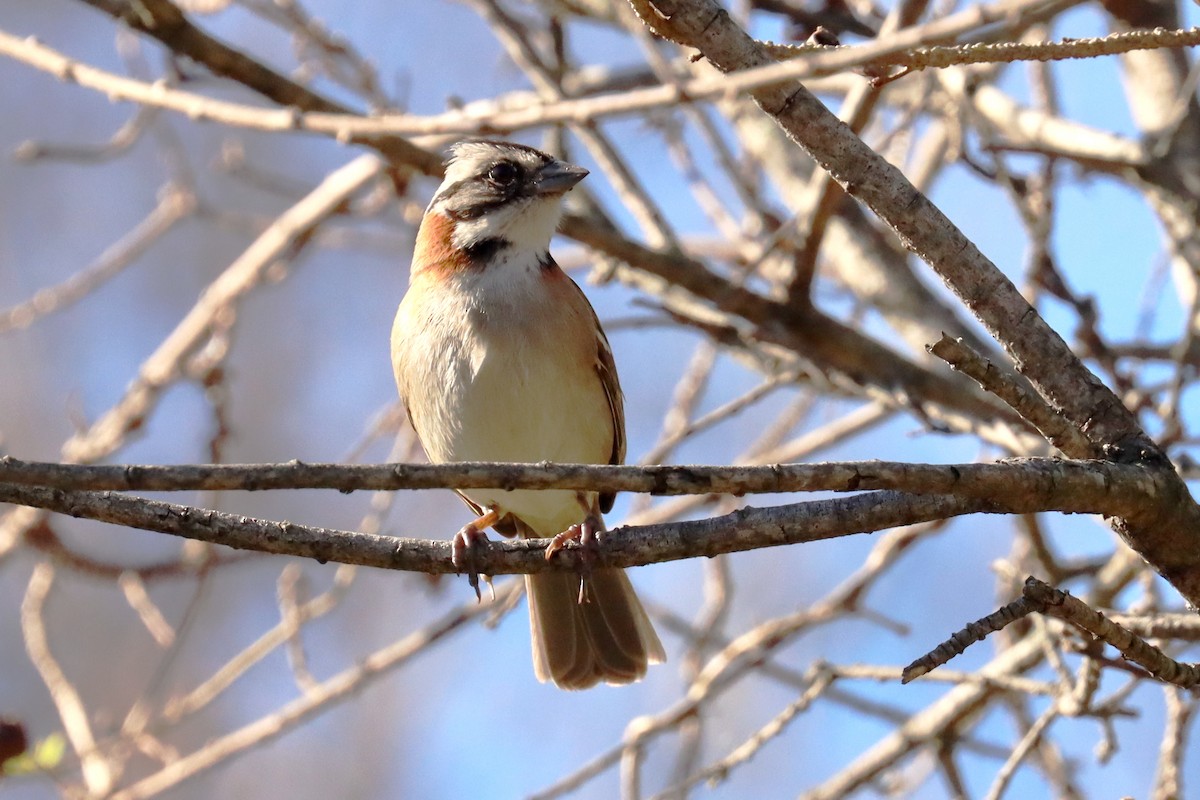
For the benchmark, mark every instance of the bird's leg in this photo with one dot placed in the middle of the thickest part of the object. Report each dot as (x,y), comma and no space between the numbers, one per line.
(466,545)
(586,533)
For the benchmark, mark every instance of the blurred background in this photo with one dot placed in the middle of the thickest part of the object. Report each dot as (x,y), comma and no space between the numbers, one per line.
(114,220)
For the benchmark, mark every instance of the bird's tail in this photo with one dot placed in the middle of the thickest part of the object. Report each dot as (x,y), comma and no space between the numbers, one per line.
(606,637)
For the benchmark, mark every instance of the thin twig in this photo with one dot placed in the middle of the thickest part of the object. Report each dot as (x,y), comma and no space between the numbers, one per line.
(1045,599)
(1168,781)
(815,63)
(974,632)
(322,697)
(719,771)
(1056,603)
(75,720)
(1020,752)
(1016,393)
(174,205)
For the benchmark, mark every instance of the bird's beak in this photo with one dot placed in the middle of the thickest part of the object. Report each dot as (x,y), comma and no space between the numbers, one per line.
(558,177)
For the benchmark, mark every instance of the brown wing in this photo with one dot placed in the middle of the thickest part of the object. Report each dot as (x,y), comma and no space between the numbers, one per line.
(606,370)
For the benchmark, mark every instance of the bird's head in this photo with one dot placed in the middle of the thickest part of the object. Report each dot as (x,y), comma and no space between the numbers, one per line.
(496,196)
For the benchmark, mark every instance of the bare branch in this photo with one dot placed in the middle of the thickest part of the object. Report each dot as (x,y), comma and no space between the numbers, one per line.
(926,726)
(1015,393)
(334,690)
(1168,782)
(1056,603)
(747,529)
(1021,752)
(174,206)
(1038,352)
(974,632)
(1045,599)
(809,318)
(1096,486)
(166,23)
(304,110)
(71,709)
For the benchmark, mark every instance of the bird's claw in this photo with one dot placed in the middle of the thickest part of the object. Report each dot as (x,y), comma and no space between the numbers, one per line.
(586,534)
(464,552)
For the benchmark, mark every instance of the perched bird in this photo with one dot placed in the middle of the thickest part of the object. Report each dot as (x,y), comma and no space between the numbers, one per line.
(499,357)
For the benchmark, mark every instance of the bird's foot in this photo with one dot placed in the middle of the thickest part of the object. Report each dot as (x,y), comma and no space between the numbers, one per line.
(470,540)
(587,534)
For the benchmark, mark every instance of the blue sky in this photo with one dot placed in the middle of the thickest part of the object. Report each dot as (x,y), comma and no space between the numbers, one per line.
(309,370)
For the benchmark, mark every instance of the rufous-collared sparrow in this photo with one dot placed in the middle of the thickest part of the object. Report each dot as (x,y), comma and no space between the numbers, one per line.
(499,357)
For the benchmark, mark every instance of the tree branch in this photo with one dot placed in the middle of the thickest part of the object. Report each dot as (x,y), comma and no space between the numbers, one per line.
(746,529)
(1045,599)
(163,21)
(1030,405)
(827,341)
(1167,535)
(1092,486)
(1016,487)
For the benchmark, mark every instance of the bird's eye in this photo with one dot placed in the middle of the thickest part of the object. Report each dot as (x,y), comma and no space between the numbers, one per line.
(503,174)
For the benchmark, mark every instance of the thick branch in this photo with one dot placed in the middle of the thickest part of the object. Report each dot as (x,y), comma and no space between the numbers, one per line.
(746,529)
(1078,486)
(1038,351)
(1166,535)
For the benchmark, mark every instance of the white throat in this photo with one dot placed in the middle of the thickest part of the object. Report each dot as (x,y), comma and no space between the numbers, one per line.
(525,225)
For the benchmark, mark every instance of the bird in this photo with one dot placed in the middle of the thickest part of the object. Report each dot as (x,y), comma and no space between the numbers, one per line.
(499,356)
